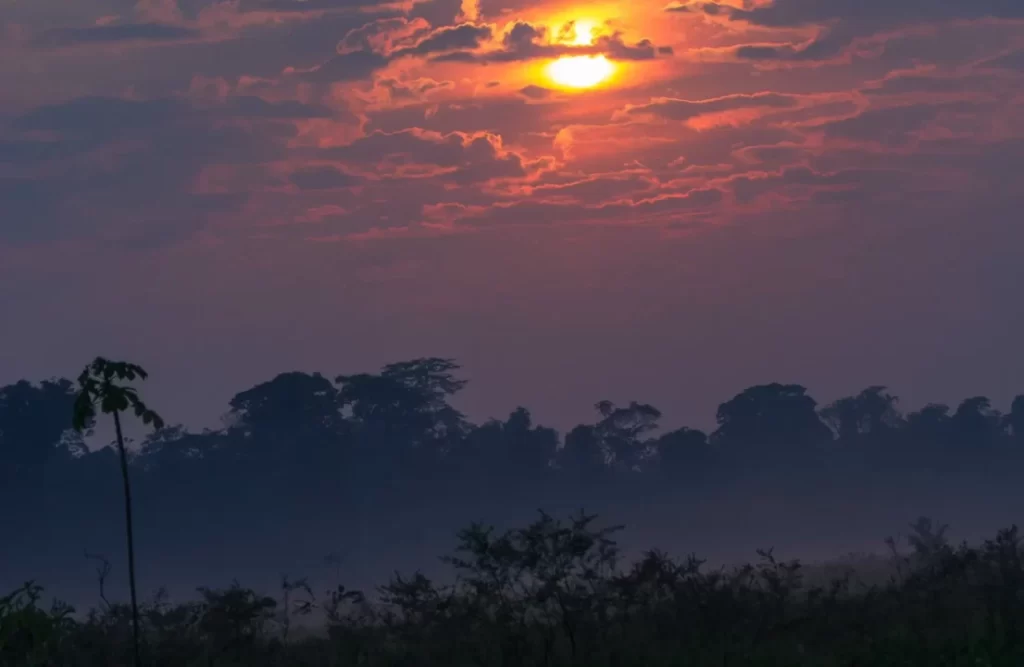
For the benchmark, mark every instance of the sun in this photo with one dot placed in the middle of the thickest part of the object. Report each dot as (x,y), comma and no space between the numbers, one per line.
(580,71)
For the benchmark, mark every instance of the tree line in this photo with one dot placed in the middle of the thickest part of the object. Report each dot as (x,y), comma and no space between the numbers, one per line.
(401,420)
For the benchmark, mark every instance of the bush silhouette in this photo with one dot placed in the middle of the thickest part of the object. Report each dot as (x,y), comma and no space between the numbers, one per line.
(555,593)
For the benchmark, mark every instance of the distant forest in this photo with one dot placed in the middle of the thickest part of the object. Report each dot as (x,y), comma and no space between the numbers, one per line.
(317,464)
(399,424)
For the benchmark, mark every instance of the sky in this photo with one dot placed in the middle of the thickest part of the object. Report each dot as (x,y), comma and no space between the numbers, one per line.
(811,191)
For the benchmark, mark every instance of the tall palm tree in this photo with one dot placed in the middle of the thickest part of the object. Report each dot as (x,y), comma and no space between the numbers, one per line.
(100,386)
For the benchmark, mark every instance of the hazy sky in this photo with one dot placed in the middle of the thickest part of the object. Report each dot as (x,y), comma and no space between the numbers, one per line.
(816,191)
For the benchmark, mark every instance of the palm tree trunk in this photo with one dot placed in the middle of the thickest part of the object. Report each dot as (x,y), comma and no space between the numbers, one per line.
(131,539)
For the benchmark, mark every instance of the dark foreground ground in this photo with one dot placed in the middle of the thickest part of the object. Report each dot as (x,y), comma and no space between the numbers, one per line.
(555,593)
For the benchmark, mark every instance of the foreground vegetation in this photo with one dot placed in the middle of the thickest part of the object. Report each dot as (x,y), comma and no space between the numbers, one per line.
(555,593)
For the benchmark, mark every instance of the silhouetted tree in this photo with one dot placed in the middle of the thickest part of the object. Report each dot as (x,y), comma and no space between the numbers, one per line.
(868,426)
(684,450)
(99,386)
(771,420)
(35,426)
(174,448)
(617,439)
(174,458)
(514,447)
(870,414)
(289,422)
(975,425)
(406,403)
(1015,420)
(622,432)
(582,454)
(928,429)
(294,406)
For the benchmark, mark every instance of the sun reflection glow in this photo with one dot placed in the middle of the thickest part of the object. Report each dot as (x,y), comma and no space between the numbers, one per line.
(580,71)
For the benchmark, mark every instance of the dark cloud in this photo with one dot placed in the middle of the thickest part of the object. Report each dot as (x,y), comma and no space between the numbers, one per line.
(762,52)
(437,12)
(522,36)
(412,90)
(597,189)
(378,35)
(137,161)
(614,47)
(88,121)
(97,119)
(374,45)
(830,44)
(251,106)
(304,5)
(664,209)
(461,157)
(84,124)
(771,155)
(535,92)
(874,13)
(675,109)
(1011,61)
(350,66)
(747,189)
(453,38)
(262,49)
(845,21)
(935,83)
(709,8)
(321,178)
(890,126)
(123,32)
(512,117)
(192,8)
(813,113)
(456,57)
(696,199)
(365,49)
(525,41)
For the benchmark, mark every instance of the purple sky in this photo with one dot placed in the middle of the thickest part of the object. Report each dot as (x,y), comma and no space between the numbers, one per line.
(817,191)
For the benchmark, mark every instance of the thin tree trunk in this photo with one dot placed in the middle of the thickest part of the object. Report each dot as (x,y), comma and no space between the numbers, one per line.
(131,539)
